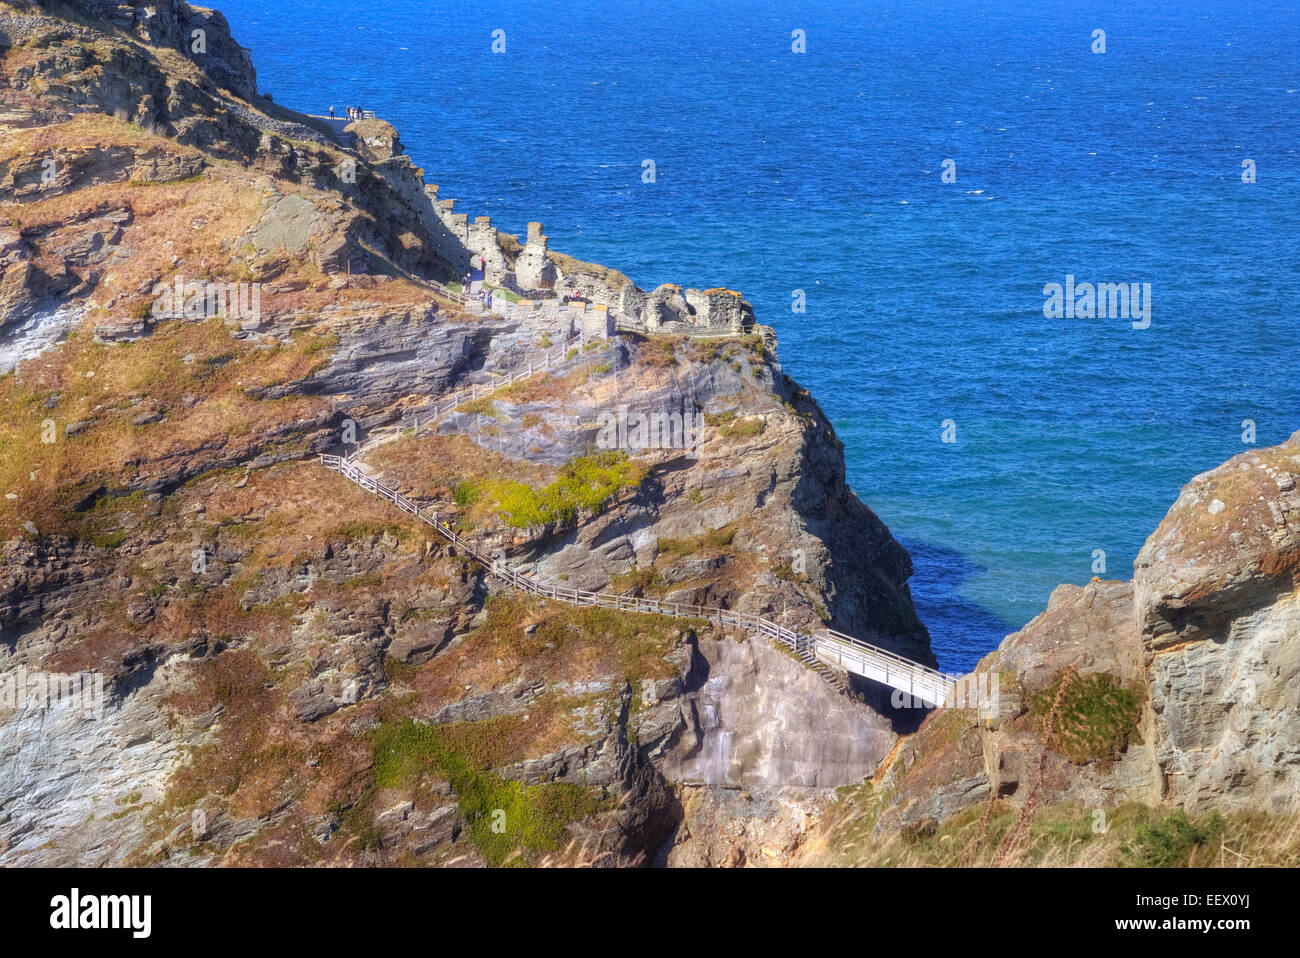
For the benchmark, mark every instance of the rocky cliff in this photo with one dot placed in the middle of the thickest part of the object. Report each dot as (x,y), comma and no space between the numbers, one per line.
(201,292)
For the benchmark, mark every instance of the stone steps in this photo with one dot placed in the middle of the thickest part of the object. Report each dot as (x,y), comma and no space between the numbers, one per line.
(833,676)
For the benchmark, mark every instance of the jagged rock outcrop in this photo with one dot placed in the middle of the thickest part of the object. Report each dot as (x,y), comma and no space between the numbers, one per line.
(1217,594)
(737,828)
(204,33)
(1192,673)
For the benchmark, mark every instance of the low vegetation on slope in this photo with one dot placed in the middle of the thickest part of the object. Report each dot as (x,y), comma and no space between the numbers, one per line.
(506,818)
(585,484)
(1067,834)
(1097,719)
(86,415)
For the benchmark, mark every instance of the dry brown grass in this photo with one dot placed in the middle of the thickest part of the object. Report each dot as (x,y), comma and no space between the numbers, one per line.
(434,465)
(568,645)
(79,381)
(1055,836)
(180,226)
(259,757)
(83,131)
(543,729)
(185,225)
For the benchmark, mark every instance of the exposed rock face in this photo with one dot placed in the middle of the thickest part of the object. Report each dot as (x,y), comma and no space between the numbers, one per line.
(1217,601)
(76,789)
(735,828)
(762,720)
(75,169)
(201,33)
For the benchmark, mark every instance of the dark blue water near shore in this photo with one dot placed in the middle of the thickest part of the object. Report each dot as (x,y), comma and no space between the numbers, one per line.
(821,172)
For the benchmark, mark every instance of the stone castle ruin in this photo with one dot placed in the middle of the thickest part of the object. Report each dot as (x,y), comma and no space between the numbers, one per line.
(531,270)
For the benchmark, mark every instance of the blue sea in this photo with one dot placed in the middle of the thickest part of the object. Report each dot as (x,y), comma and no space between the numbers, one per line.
(822,171)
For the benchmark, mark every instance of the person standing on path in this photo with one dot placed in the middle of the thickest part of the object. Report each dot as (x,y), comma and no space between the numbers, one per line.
(331,113)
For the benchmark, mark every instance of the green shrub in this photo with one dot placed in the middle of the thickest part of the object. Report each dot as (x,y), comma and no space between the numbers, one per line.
(466,493)
(504,816)
(586,483)
(729,426)
(1170,842)
(720,538)
(480,407)
(677,547)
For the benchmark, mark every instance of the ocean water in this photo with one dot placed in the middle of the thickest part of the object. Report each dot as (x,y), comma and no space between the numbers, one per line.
(821,172)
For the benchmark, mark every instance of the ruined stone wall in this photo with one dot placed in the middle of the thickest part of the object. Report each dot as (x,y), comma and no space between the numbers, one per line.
(534,271)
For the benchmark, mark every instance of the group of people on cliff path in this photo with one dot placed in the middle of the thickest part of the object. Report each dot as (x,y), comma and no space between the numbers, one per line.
(484,294)
(354,112)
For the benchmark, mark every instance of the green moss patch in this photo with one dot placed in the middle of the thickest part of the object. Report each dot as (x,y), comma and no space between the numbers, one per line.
(504,816)
(587,483)
(1098,717)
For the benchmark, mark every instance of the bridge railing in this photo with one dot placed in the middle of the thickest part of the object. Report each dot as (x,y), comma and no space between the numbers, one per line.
(930,684)
(885,655)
